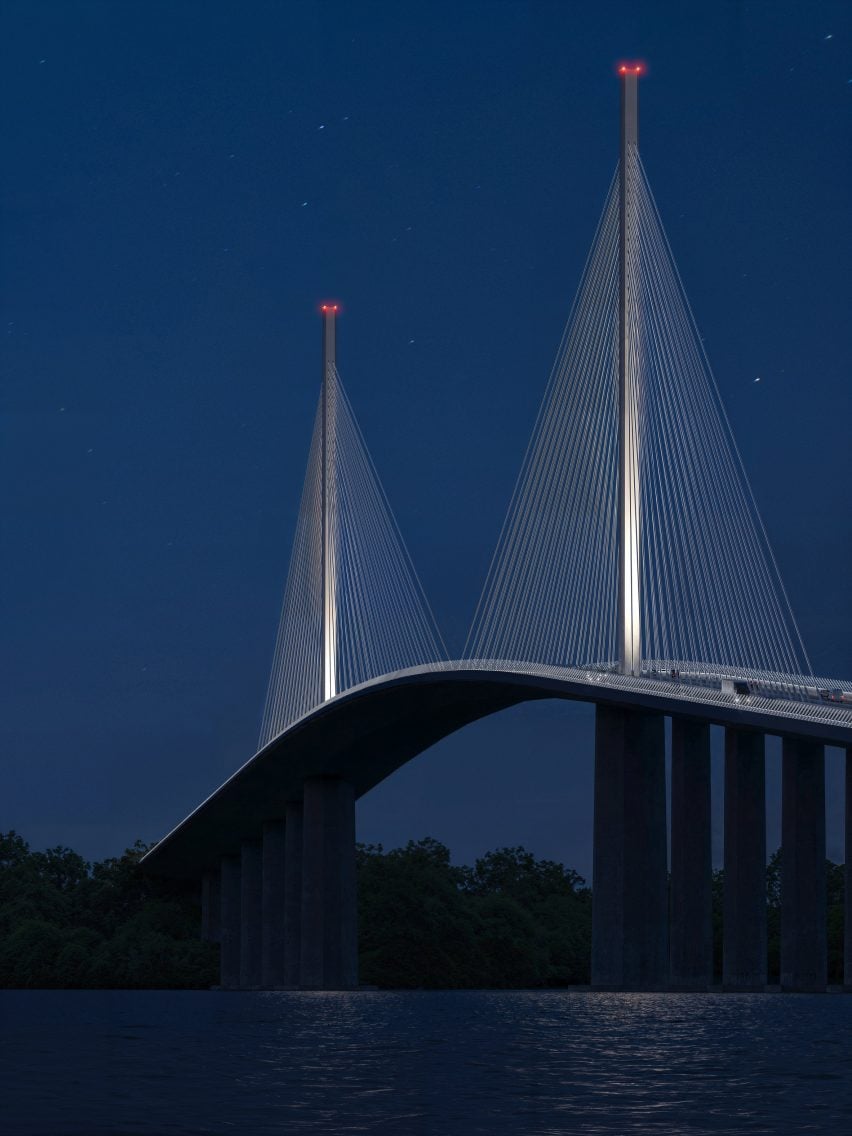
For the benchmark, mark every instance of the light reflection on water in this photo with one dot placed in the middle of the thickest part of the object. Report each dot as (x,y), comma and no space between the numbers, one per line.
(451,1063)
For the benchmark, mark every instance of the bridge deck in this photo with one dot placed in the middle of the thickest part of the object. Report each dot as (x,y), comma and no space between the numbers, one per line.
(366,733)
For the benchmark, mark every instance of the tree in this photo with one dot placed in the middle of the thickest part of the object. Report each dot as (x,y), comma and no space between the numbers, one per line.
(835,894)
(14,850)
(773,916)
(29,954)
(415,929)
(62,868)
(718,893)
(66,923)
(511,920)
(511,948)
(558,902)
(515,872)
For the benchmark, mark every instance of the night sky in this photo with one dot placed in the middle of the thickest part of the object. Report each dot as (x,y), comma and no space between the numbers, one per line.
(183,182)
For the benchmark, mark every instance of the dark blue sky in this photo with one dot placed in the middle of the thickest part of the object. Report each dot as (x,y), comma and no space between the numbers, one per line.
(183,182)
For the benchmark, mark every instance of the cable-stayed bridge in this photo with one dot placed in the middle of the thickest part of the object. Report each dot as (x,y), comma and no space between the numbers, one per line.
(632,570)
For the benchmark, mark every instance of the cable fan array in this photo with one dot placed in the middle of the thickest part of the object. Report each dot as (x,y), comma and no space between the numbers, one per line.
(383,622)
(550,594)
(710,592)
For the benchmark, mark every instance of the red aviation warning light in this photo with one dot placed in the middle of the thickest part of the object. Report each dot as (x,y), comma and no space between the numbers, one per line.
(631,68)
(330,308)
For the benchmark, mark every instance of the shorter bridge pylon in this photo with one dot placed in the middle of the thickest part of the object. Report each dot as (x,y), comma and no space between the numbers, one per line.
(353,605)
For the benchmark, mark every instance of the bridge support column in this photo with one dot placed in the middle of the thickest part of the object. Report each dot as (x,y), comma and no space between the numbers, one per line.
(229,915)
(292,893)
(272,904)
(329,942)
(804,959)
(744,950)
(210,907)
(629,909)
(691,903)
(847,877)
(251,872)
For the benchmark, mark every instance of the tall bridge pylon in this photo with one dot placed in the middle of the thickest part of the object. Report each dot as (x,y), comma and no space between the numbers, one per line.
(633,542)
(629,394)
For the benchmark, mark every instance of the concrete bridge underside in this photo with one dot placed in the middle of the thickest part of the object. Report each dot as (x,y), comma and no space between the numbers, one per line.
(273,847)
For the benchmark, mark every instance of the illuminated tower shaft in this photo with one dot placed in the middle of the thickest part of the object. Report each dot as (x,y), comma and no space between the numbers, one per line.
(629,410)
(329,504)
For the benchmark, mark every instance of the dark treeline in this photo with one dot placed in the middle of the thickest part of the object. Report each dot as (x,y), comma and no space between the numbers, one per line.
(509,921)
(66,923)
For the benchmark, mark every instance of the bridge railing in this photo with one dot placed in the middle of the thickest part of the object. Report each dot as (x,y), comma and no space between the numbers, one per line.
(781,696)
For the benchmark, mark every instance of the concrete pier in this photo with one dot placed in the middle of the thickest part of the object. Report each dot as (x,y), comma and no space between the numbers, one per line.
(847,909)
(272,904)
(210,907)
(691,899)
(744,954)
(629,910)
(292,893)
(251,873)
(804,959)
(229,920)
(329,942)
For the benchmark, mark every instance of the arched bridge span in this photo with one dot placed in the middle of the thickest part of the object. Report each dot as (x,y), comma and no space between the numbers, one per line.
(368,732)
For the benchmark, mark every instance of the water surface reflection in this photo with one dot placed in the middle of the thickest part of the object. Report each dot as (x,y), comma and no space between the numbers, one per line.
(449,1063)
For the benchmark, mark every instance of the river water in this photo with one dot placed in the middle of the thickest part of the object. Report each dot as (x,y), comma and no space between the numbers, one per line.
(423,1063)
